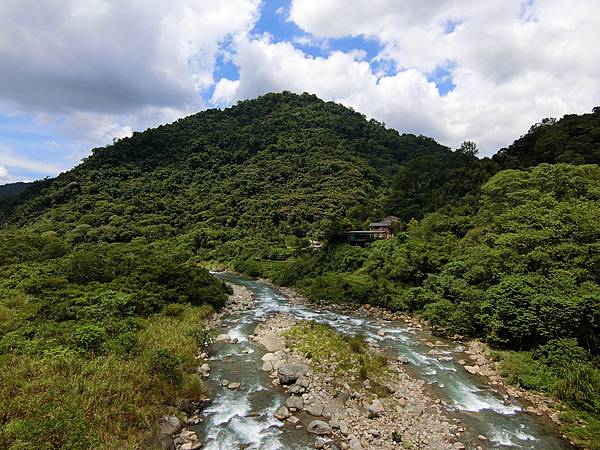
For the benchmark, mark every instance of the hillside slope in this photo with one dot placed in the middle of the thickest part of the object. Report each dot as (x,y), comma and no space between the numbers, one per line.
(280,165)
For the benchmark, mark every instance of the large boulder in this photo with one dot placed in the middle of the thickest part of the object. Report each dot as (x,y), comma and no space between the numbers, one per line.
(271,342)
(295,402)
(289,373)
(169,425)
(319,428)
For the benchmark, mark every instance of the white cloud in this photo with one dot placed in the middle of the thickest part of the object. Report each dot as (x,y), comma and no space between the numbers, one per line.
(3,172)
(513,62)
(94,70)
(225,91)
(8,159)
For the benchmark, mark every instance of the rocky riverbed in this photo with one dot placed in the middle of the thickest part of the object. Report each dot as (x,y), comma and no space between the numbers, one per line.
(345,416)
(269,392)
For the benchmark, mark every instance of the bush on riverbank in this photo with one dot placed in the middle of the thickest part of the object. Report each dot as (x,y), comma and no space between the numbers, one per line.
(88,359)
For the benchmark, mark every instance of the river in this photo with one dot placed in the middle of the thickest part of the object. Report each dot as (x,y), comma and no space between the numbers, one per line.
(244,418)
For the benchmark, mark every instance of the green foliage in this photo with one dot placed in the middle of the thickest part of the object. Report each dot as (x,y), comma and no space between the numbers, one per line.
(89,337)
(505,249)
(165,363)
(203,337)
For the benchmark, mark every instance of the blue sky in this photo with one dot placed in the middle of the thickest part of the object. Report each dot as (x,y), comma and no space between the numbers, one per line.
(78,74)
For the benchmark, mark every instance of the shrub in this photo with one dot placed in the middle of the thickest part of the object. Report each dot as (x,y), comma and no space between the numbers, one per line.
(165,363)
(357,343)
(89,337)
(173,310)
(193,387)
(203,337)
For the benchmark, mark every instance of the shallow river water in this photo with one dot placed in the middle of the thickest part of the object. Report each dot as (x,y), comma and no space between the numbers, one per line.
(244,418)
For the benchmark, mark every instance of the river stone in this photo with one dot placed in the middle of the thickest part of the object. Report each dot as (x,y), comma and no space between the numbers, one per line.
(166,442)
(282,413)
(344,428)
(319,428)
(169,425)
(315,409)
(289,373)
(222,338)
(233,386)
(267,366)
(271,342)
(375,408)
(355,444)
(268,357)
(458,446)
(472,369)
(296,389)
(295,402)
(402,359)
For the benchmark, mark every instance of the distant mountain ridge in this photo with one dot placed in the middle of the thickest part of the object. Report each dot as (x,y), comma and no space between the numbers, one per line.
(11,190)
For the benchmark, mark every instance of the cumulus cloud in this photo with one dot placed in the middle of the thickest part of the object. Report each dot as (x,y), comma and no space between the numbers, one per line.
(95,70)
(98,68)
(3,173)
(512,62)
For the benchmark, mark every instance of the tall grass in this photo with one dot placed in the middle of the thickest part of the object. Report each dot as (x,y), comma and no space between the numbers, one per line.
(81,400)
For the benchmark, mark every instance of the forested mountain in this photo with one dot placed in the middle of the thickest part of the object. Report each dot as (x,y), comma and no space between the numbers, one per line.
(505,249)
(281,165)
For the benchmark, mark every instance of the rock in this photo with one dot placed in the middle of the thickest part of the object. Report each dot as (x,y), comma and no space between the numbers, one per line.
(268,357)
(205,368)
(282,413)
(304,382)
(169,425)
(191,445)
(375,408)
(293,420)
(224,383)
(366,384)
(186,406)
(472,369)
(296,389)
(295,402)
(166,442)
(321,442)
(233,386)
(355,444)
(334,422)
(344,428)
(267,366)
(402,402)
(222,338)
(289,373)
(482,437)
(402,359)
(271,342)
(315,409)
(381,333)
(458,446)
(319,428)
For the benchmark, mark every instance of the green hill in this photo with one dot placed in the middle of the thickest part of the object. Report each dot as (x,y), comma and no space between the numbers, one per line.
(280,166)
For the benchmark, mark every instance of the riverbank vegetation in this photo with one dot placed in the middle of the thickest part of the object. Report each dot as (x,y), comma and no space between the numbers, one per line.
(505,248)
(95,340)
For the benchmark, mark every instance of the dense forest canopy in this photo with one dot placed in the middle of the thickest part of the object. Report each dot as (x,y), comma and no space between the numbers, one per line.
(506,249)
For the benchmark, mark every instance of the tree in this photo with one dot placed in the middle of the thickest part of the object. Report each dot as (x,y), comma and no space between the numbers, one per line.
(469,148)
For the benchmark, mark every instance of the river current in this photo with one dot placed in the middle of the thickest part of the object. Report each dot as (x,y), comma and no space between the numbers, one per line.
(244,418)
